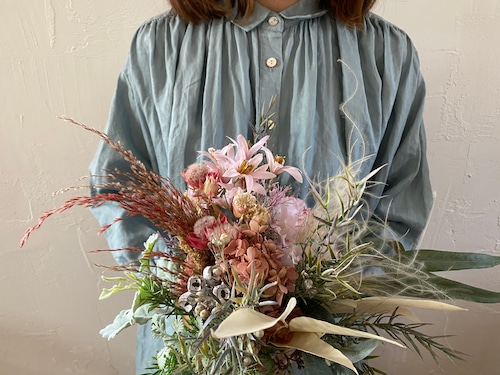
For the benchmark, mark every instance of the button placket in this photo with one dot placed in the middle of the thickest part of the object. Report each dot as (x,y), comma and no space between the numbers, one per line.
(271,42)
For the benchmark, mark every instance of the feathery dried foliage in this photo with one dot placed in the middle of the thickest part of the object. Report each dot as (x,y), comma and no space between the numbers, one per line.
(139,191)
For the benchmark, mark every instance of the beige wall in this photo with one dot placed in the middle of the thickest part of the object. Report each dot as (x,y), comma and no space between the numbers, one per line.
(63,56)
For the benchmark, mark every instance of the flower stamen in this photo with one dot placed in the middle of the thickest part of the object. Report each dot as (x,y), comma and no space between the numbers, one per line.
(245,168)
(279,159)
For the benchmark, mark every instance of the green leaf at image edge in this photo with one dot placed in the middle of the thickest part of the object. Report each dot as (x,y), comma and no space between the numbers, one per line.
(448,288)
(438,260)
(458,290)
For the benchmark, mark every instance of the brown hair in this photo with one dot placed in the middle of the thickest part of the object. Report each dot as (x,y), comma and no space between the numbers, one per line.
(351,12)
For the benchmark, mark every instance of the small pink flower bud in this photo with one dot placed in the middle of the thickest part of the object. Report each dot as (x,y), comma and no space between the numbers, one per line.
(195,175)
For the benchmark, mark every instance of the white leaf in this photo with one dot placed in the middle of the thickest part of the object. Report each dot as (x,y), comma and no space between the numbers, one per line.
(246,320)
(306,324)
(310,343)
(123,320)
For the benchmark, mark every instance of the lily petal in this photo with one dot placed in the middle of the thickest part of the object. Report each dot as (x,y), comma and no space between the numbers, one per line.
(257,146)
(292,171)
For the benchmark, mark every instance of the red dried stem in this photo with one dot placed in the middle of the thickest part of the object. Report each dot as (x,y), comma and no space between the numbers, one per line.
(139,192)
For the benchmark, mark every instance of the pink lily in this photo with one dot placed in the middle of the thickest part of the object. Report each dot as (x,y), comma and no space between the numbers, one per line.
(250,172)
(276,167)
(244,152)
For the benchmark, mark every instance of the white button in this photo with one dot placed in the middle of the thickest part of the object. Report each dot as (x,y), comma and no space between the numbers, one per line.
(271,62)
(273,21)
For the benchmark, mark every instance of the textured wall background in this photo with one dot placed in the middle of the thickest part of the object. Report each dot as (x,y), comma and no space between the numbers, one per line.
(63,57)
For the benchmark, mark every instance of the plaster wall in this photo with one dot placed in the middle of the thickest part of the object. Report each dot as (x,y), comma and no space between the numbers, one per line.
(63,56)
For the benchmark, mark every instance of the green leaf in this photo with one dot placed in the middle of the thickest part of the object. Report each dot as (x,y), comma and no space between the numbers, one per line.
(315,310)
(438,260)
(408,286)
(126,282)
(145,259)
(315,366)
(336,369)
(458,290)
(358,351)
(120,287)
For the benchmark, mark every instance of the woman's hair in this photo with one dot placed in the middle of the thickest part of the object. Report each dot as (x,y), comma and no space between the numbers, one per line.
(351,12)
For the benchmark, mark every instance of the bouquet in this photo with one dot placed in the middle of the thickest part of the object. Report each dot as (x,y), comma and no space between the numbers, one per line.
(256,281)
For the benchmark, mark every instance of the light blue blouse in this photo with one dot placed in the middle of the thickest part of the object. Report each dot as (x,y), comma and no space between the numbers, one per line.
(187,87)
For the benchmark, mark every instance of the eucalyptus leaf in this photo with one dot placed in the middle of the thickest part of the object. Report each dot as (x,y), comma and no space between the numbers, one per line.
(358,351)
(340,370)
(316,366)
(438,260)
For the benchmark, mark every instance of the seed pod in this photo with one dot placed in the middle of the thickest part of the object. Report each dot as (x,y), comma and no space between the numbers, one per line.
(195,284)
(222,292)
(186,301)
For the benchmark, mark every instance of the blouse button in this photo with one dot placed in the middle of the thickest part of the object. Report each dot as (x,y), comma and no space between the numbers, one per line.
(273,21)
(271,62)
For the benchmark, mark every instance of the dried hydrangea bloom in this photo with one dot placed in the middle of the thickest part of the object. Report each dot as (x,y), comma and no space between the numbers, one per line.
(253,253)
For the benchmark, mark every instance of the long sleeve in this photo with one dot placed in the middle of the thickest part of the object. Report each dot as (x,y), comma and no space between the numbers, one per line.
(384,94)
(406,199)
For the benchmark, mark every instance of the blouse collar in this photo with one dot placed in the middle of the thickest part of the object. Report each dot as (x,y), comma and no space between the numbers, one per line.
(301,10)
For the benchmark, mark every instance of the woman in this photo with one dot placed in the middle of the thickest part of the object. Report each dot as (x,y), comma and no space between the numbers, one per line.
(208,69)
